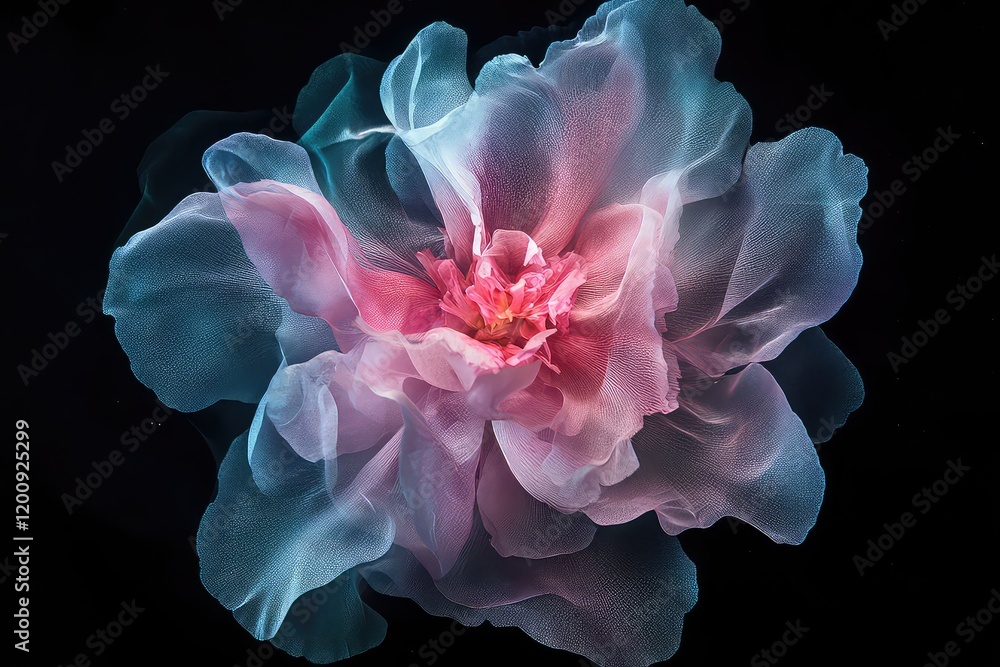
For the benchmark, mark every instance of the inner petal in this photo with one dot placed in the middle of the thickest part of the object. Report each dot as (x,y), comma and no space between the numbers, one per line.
(512,297)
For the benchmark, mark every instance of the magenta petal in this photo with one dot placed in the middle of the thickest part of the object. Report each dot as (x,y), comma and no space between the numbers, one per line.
(736,449)
(612,369)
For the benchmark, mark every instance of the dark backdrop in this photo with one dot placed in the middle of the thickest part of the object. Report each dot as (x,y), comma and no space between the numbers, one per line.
(889,94)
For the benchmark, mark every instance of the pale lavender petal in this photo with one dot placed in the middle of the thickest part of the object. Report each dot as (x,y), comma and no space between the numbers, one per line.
(775,256)
(736,449)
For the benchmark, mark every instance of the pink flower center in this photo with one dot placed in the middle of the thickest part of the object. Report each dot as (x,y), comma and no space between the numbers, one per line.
(512,298)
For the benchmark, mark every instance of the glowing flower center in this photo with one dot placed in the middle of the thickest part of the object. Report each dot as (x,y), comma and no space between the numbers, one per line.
(512,298)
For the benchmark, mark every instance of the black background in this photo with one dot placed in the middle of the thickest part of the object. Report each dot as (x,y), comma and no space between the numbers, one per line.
(130,539)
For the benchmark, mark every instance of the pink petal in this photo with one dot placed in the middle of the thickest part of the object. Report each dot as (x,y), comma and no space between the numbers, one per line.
(425,477)
(519,524)
(296,240)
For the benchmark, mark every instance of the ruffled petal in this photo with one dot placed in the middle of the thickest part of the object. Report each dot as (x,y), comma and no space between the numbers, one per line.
(297,242)
(611,367)
(620,602)
(777,255)
(248,158)
(192,312)
(737,449)
(518,524)
(363,169)
(438,457)
(259,552)
(324,409)
(688,120)
(331,623)
(822,386)
(532,150)
(429,80)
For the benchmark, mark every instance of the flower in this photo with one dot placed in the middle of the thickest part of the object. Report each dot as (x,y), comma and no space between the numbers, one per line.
(488,329)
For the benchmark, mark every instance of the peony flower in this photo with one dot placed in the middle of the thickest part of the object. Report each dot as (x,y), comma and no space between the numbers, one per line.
(489,328)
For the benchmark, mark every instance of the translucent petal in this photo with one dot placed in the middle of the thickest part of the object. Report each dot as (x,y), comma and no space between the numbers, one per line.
(822,386)
(736,449)
(621,602)
(776,255)
(192,313)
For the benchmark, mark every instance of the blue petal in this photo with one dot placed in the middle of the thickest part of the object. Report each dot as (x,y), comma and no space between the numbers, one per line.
(248,158)
(821,384)
(428,80)
(192,313)
(621,602)
(371,180)
(331,623)
(259,553)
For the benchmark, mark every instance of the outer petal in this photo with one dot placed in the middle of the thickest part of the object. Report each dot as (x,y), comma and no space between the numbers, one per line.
(191,311)
(737,450)
(428,80)
(688,120)
(341,625)
(821,384)
(620,602)
(532,149)
(775,256)
(248,158)
(258,552)
(363,169)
